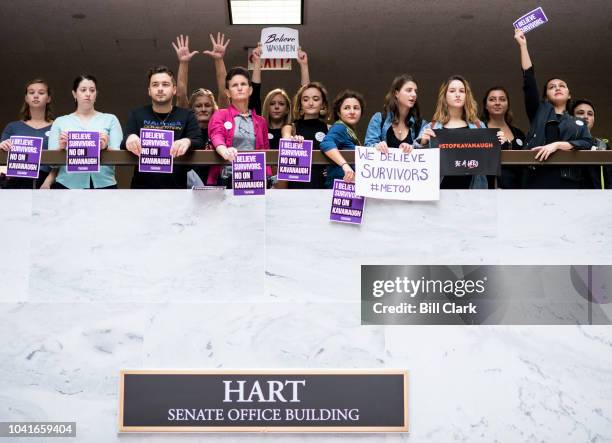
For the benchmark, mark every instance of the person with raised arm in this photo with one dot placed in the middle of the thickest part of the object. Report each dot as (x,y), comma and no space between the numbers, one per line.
(551,128)
(346,112)
(85,118)
(35,119)
(277,106)
(400,124)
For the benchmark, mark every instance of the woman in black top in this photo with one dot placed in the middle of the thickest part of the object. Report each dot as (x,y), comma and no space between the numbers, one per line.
(551,128)
(310,106)
(496,113)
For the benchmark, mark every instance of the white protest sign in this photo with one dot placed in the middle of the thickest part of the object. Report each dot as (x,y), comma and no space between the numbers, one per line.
(269,64)
(396,175)
(279,43)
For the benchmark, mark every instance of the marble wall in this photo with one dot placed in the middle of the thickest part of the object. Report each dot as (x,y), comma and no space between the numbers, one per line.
(92,282)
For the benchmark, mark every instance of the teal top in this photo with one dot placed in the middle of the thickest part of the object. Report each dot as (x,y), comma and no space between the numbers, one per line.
(100,122)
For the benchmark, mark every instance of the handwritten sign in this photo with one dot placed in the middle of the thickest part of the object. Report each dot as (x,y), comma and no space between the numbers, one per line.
(294,160)
(468,151)
(396,175)
(83,152)
(279,43)
(531,20)
(269,64)
(347,207)
(249,173)
(24,157)
(155,153)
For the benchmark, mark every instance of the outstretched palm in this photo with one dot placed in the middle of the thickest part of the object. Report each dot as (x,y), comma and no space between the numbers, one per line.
(219,45)
(182,49)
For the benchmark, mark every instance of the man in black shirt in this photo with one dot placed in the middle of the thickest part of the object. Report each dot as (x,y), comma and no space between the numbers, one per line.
(161,114)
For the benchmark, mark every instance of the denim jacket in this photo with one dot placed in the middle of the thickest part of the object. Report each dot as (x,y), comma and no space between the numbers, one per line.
(377,129)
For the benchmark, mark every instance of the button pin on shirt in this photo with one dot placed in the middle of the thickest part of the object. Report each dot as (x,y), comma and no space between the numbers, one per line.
(227,125)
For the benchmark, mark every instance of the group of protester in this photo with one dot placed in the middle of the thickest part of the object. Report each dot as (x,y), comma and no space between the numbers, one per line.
(237,121)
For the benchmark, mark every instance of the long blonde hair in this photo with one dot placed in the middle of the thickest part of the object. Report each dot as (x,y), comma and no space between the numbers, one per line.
(265,112)
(470,108)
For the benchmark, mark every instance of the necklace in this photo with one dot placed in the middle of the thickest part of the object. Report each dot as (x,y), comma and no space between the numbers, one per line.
(400,131)
(160,119)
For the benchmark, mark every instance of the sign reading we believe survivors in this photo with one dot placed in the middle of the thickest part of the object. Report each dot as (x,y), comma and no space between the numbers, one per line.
(249,173)
(83,152)
(279,43)
(155,151)
(271,401)
(468,151)
(294,160)
(531,20)
(346,207)
(24,157)
(397,175)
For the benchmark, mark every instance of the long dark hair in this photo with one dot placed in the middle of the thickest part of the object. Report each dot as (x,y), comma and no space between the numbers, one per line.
(391,105)
(484,116)
(24,112)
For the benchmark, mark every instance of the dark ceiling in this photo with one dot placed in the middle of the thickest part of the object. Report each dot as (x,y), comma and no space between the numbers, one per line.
(358,44)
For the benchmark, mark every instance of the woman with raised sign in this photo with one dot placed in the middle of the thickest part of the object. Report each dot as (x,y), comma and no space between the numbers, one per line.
(400,124)
(496,113)
(597,177)
(277,106)
(551,128)
(85,118)
(457,109)
(35,120)
(310,106)
(347,110)
(236,128)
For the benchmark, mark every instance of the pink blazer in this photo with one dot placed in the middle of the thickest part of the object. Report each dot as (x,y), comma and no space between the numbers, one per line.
(221,133)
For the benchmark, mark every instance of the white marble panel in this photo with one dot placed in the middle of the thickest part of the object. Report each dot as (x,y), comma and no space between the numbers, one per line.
(16,244)
(147,246)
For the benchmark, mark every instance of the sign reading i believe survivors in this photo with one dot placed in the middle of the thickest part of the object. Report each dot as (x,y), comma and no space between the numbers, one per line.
(24,156)
(272,401)
(347,207)
(294,160)
(531,20)
(83,152)
(249,173)
(155,151)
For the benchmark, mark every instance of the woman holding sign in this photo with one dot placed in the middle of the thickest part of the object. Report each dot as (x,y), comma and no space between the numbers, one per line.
(36,119)
(310,106)
(496,113)
(457,109)
(236,128)
(347,109)
(551,128)
(400,124)
(85,118)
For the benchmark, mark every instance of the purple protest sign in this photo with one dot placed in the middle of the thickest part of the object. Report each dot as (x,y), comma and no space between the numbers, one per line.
(83,151)
(294,160)
(24,157)
(249,173)
(347,207)
(531,20)
(155,151)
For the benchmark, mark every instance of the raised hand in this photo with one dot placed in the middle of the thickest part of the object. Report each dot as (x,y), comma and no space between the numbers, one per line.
(182,49)
(219,45)
(302,57)
(520,38)
(257,54)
